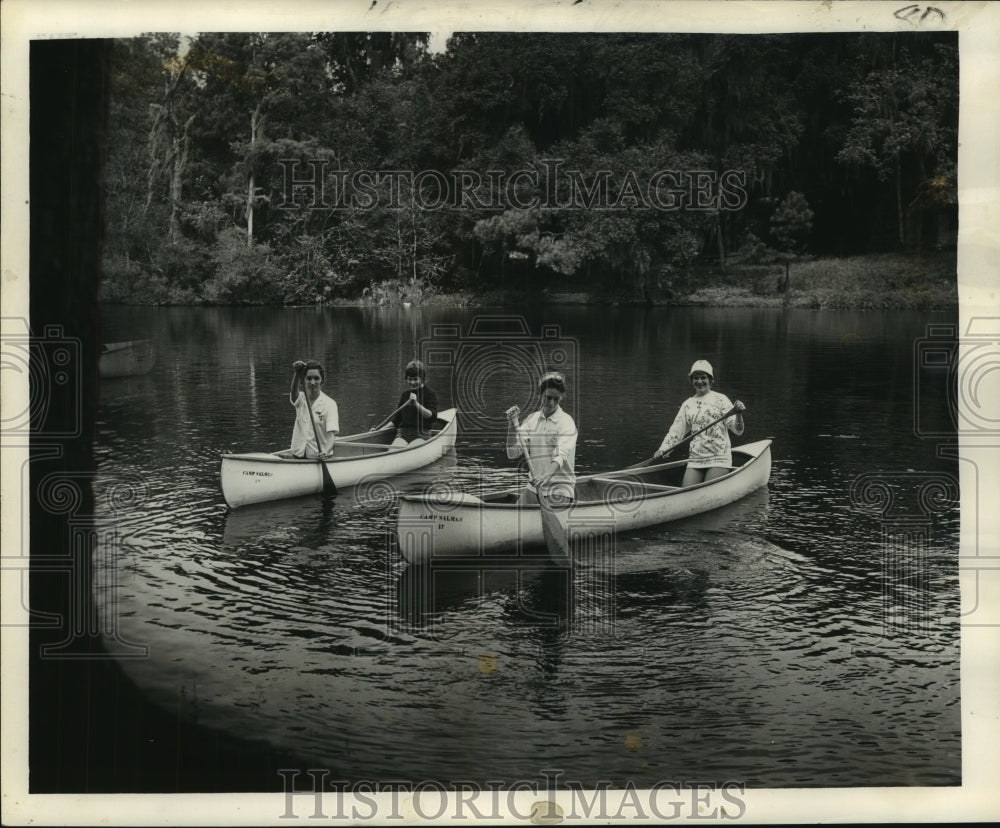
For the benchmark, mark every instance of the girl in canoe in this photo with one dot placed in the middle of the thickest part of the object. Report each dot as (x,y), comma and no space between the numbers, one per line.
(710,455)
(550,437)
(418,406)
(324,411)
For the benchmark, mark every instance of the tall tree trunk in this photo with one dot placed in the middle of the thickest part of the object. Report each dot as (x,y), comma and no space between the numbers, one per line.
(254,123)
(719,241)
(180,154)
(899,201)
(399,250)
(250,212)
(414,218)
(168,146)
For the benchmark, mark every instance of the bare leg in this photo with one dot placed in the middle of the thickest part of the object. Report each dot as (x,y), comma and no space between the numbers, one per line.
(693,476)
(716,471)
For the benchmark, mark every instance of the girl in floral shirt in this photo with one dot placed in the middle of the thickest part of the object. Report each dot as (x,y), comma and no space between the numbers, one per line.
(710,455)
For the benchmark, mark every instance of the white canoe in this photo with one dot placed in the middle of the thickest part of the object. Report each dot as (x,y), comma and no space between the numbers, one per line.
(260,476)
(448,525)
(126,359)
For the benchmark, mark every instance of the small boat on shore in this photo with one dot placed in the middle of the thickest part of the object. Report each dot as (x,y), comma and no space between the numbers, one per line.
(126,359)
(262,476)
(450,525)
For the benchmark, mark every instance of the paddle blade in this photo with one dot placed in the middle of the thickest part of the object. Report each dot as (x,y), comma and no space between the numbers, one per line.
(555,536)
(329,487)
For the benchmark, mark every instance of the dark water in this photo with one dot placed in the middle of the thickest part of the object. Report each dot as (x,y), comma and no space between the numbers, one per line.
(805,636)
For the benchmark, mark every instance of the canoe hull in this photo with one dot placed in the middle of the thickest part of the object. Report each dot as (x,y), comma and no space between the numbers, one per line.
(430,527)
(261,476)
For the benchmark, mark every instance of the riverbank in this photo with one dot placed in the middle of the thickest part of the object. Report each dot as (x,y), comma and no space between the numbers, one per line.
(888,281)
(926,282)
(870,282)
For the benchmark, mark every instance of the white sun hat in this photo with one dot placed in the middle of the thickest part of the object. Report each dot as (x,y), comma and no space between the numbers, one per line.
(704,366)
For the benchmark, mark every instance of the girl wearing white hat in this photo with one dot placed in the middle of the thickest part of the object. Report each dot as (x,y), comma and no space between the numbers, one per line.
(710,455)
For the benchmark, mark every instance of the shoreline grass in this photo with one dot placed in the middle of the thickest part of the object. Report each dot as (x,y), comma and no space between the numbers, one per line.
(887,281)
(867,282)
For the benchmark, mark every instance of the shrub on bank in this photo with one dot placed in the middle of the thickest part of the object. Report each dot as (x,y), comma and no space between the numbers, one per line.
(129,283)
(243,274)
(415,291)
(877,281)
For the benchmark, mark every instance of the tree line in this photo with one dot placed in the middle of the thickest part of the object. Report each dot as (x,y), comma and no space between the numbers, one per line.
(305,167)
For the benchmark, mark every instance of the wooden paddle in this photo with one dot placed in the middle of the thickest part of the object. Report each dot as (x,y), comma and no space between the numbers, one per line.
(387,420)
(329,487)
(555,536)
(652,460)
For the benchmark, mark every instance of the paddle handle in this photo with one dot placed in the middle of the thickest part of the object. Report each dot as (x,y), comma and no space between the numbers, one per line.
(555,535)
(312,419)
(690,437)
(329,487)
(388,419)
(512,413)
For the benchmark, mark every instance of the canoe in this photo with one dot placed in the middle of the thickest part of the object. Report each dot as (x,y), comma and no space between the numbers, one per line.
(357,459)
(126,359)
(292,519)
(449,525)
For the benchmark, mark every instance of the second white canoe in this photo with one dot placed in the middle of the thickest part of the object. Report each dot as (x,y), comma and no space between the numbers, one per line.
(459,525)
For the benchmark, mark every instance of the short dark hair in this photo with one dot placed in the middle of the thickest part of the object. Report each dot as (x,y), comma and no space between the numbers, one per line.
(314,364)
(553,379)
(415,368)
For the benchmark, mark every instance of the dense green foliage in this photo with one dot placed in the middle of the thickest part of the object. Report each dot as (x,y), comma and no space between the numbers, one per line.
(295,168)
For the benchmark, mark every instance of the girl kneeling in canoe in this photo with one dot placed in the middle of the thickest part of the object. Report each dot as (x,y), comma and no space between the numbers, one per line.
(418,406)
(550,437)
(710,455)
(324,421)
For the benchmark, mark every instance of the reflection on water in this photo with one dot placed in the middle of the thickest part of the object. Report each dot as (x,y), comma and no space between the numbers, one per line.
(772,641)
(538,594)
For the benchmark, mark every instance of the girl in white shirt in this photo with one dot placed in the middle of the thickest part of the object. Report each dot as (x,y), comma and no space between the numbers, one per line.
(324,411)
(550,436)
